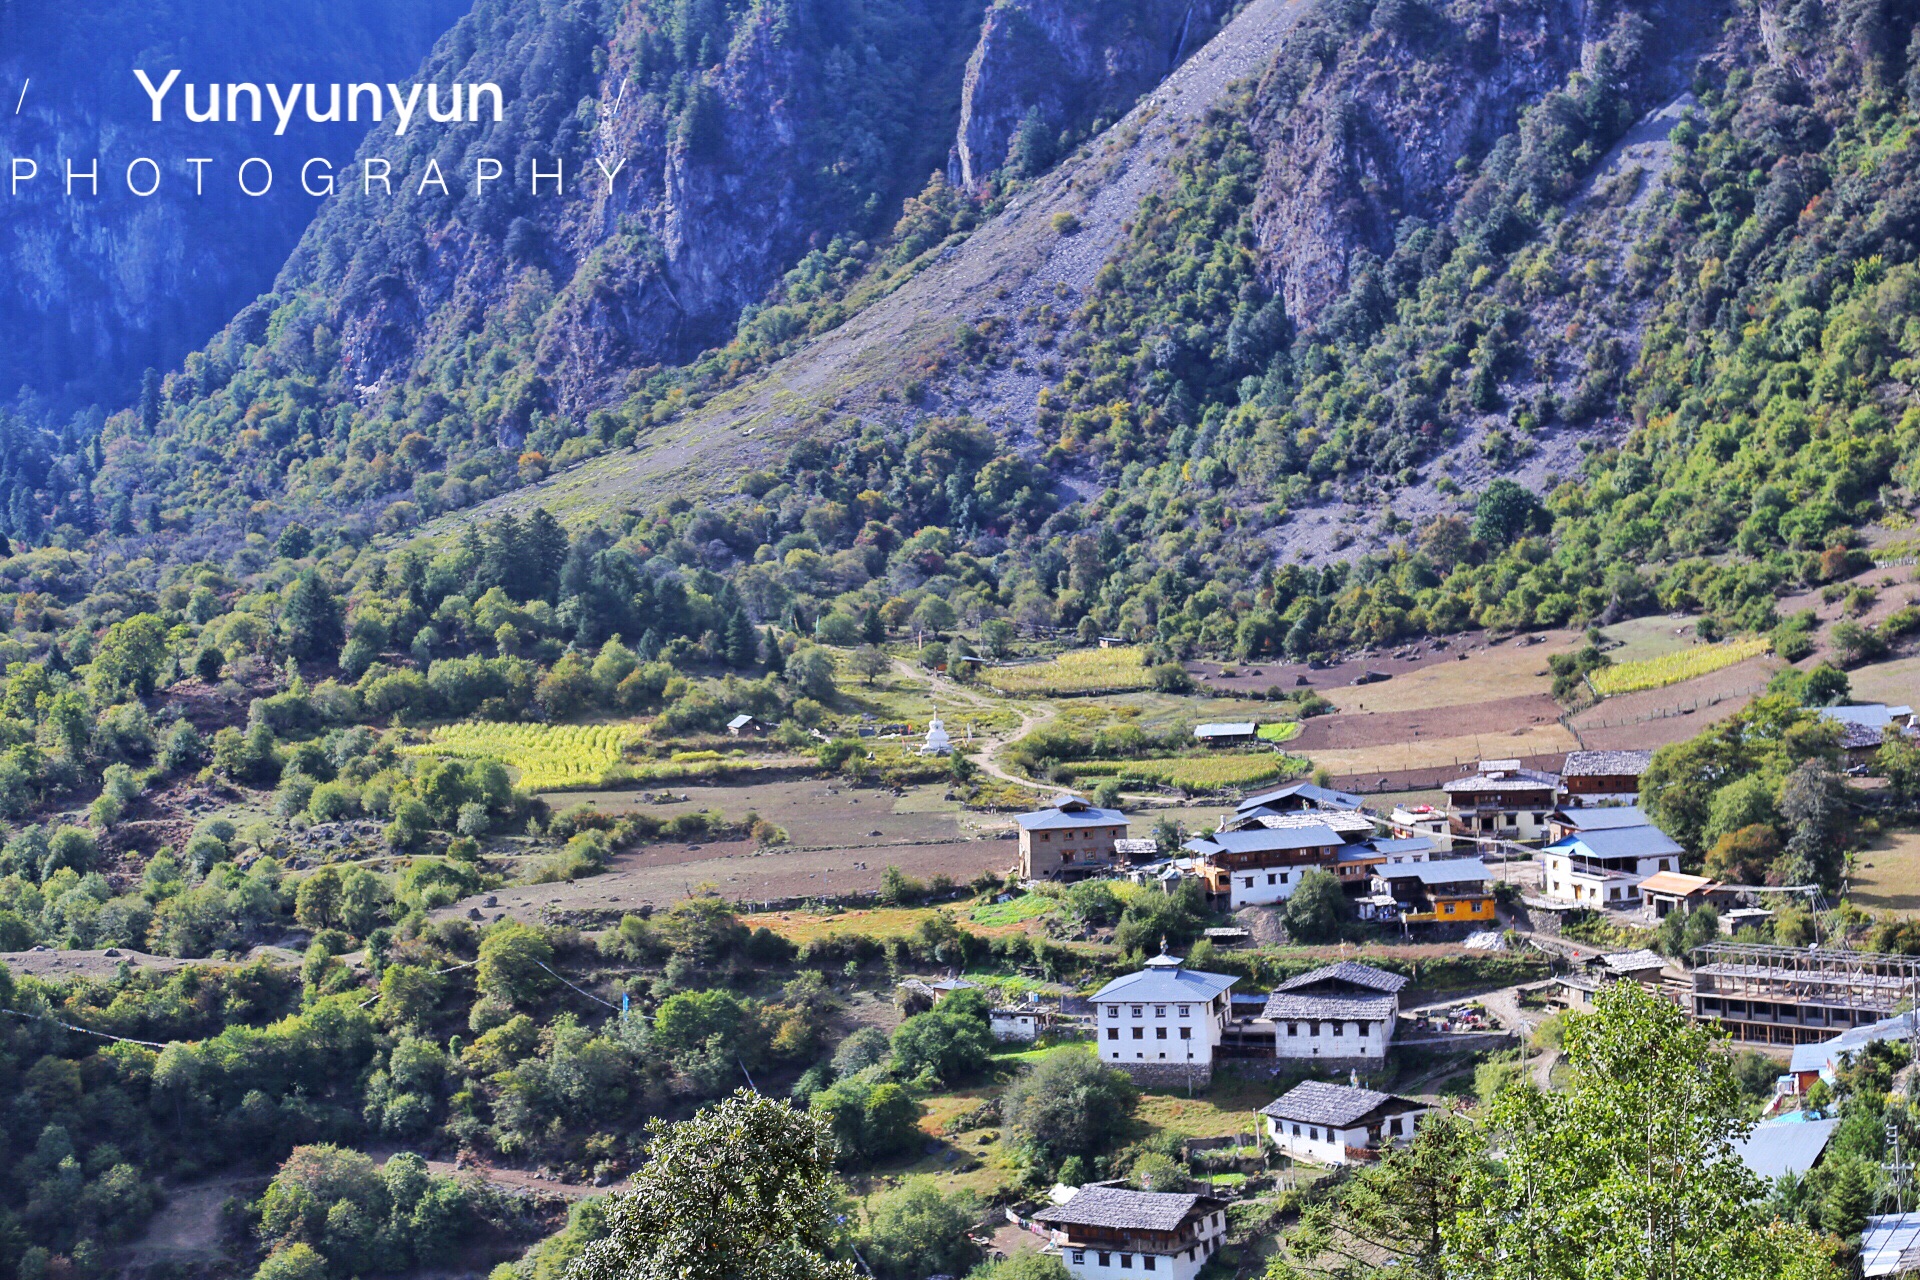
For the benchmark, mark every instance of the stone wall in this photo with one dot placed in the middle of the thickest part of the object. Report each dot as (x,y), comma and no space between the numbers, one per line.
(1168,1075)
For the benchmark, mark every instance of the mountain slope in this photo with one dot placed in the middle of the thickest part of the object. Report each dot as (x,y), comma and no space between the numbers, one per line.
(93,290)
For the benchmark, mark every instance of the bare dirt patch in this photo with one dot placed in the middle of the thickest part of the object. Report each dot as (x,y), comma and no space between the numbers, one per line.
(1474,676)
(817,813)
(1411,728)
(659,877)
(97,965)
(187,1227)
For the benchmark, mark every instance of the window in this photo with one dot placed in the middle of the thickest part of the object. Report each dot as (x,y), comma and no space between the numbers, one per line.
(1539,817)
(1338,1027)
(1139,1033)
(1363,1027)
(1249,882)
(1159,1011)
(1113,1011)
(1136,1011)
(1159,1033)
(1146,1260)
(1184,1009)
(1293,1028)
(1186,1033)
(1106,1259)
(1296,1131)
(1283,877)
(1079,1255)
(1126,1261)
(1113,1033)
(1313,1132)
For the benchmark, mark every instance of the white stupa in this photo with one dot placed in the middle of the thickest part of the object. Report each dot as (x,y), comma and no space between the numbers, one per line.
(937,743)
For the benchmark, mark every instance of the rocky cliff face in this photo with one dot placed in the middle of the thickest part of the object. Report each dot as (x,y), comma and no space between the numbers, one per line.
(802,126)
(1398,125)
(1067,64)
(96,288)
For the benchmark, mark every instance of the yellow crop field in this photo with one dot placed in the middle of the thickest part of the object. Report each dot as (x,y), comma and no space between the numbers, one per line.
(1078,671)
(546,757)
(1197,773)
(1672,668)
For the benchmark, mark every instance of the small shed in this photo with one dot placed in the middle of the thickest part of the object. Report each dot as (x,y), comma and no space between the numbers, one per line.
(743,725)
(1235,734)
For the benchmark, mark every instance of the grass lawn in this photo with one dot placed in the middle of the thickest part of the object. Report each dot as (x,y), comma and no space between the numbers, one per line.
(1892,682)
(1030,906)
(1226,1107)
(1503,671)
(1649,637)
(1886,875)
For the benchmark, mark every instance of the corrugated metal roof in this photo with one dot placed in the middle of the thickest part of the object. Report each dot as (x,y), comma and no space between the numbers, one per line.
(1078,814)
(1604,818)
(1633,961)
(1886,1242)
(1236,729)
(1445,871)
(1818,1057)
(1266,840)
(1773,1150)
(1165,985)
(1506,780)
(1621,842)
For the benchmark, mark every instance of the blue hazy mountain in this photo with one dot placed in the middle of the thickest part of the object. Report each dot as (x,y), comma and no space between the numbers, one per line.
(94,290)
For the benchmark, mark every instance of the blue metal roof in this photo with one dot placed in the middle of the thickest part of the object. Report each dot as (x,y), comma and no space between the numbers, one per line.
(1622,842)
(1774,1150)
(1818,1057)
(1446,871)
(1077,814)
(1886,1241)
(1604,818)
(1265,840)
(1164,984)
(1408,844)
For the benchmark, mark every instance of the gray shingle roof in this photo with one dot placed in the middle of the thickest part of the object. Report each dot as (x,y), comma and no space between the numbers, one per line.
(1351,972)
(1121,1208)
(1345,821)
(1605,764)
(1284,1006)
(1633,961)
(1317,1102)
(1506,780)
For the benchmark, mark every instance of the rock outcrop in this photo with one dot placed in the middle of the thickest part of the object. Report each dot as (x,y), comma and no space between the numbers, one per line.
(1067,64)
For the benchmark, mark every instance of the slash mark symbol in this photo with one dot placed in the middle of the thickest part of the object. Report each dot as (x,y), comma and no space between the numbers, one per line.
(23,98)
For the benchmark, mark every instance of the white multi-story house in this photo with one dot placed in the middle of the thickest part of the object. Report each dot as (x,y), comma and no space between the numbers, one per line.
(1423,822)
(1162,1024)
(1604,868)
(1502,801)
(1263,865)
(1335,1124)
(1341,1013)
(1103,1233)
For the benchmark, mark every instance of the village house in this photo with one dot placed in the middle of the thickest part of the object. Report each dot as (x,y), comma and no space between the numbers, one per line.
(1017,1024)
(1422,822)
(1350,825)
(1237,734)
(1356,863)
(1448,891)
(1820,1061)
(1069,840)
(1603,777)
(1262,865)
(1341,1014)
(742,724)
(1863,728)
(1296,796)
(1665,892)
(1105,1232)
(1162,1024)
(1578,988)
(1502,800)
(1604,868)
(1573,820)
(1337,1124)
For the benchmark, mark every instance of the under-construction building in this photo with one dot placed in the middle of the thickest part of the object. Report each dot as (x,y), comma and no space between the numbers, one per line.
(1790,995)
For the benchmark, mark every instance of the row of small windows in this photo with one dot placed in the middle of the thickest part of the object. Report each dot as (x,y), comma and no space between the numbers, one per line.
(1159,1033)
(1159,1010)
(1293,1028)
